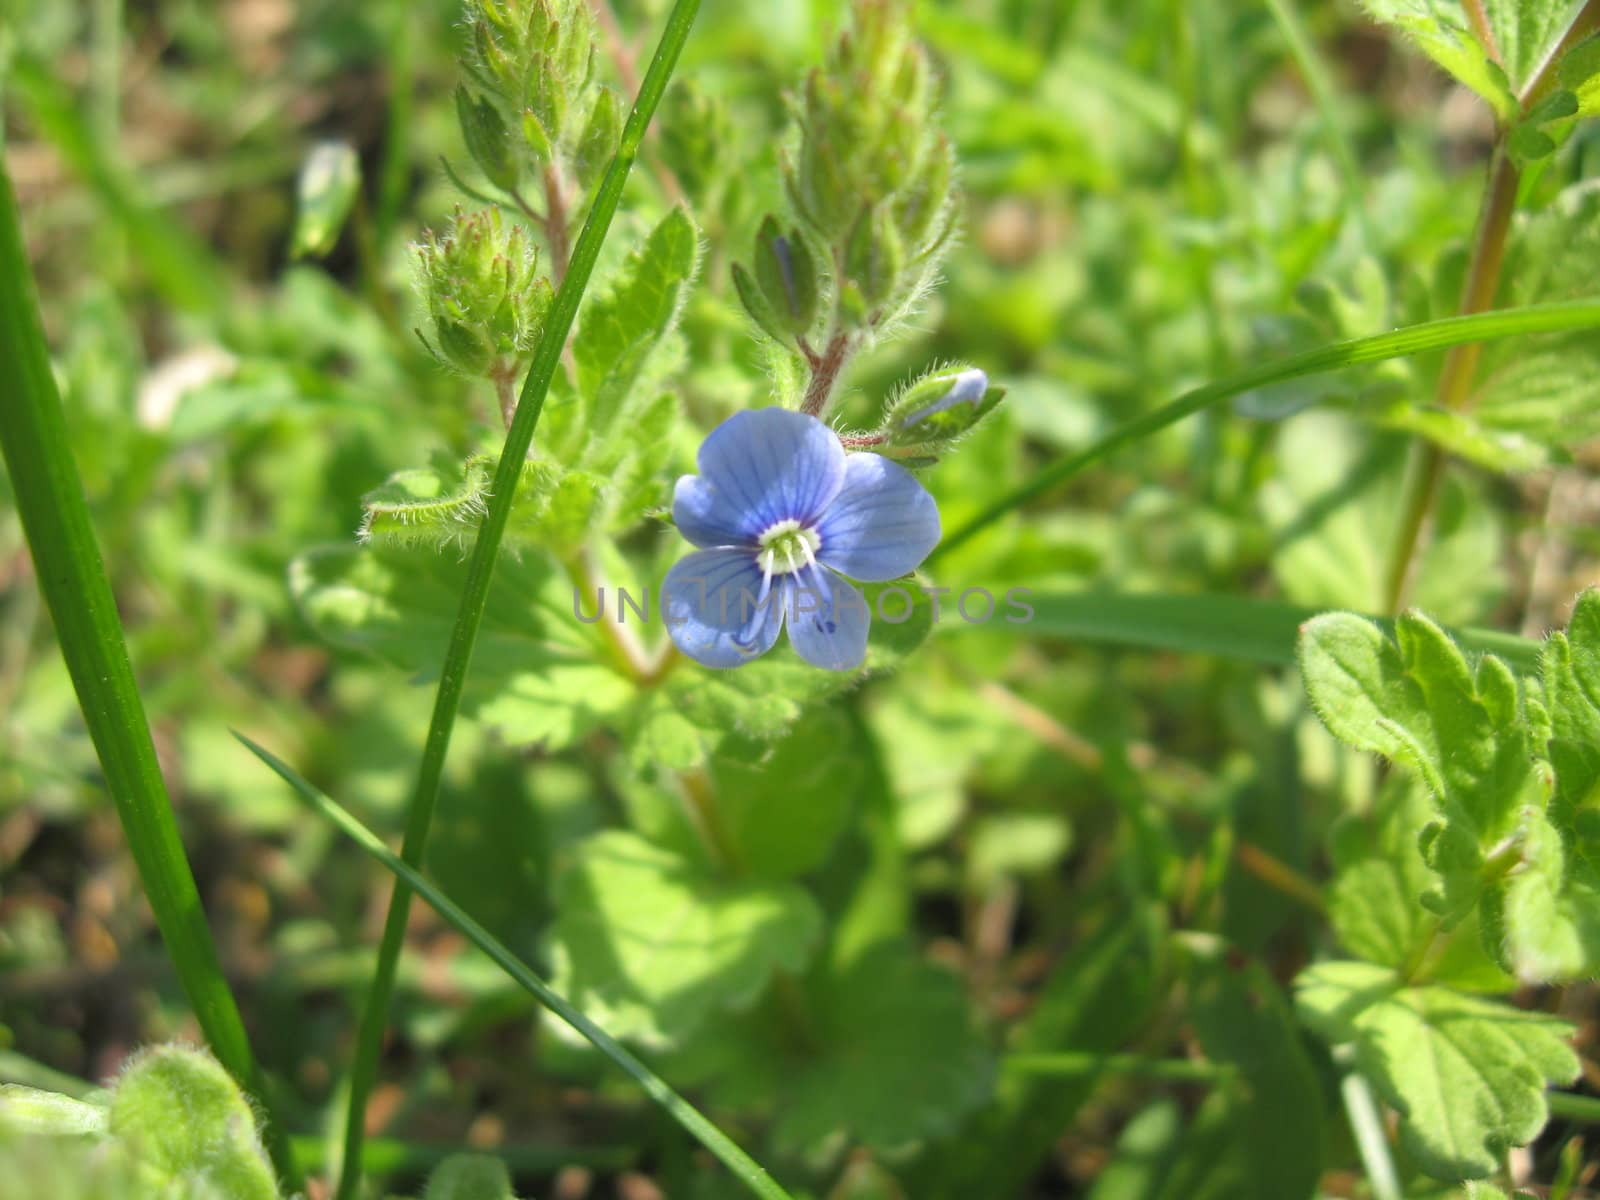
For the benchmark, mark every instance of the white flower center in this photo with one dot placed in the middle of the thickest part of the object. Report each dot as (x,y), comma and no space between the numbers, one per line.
(786,547)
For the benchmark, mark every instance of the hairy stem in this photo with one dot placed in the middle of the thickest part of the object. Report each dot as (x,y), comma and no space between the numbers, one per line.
(475,593)
(825,369)
(556,218)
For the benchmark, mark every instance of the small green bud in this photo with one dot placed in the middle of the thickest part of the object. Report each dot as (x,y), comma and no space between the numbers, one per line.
(874,257)
(535,135)
(600,139)
(469,1177)
(940,407)
(488,141)
(755,303)
(787,272)
(926,197)
(484,295)
(329,180)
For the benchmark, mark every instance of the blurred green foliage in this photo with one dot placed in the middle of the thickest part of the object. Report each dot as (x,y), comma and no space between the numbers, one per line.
(832,910)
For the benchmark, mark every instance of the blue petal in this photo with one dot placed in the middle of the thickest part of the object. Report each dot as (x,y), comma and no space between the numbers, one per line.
(716,610)
(828,619)
(708,518)
(883,524)
(771,465)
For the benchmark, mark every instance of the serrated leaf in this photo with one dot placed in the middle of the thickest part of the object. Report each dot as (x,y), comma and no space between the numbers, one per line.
(1525,31)
(1417,701)
(624,324)
(1440,30)
(1466,1074)
(538,675)
(873,1076)
(1375,902)
(652,946)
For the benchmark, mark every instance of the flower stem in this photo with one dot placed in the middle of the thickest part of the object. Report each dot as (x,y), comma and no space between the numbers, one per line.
(825,369)
(475,593)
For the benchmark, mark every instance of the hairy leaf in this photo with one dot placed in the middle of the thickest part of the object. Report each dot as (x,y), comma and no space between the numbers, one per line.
(651,945)
(877,1075)
(189,1124)
(624,324)
(1466,1074)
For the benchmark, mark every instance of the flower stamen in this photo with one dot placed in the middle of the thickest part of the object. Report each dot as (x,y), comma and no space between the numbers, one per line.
(787,547)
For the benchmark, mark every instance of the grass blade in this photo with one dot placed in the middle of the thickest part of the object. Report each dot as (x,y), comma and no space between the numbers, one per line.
(72,579)
(475,592)
(1401,343)
(1243,627)
(750,1172)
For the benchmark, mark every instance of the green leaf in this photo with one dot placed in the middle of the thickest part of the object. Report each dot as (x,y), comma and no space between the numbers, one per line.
(1375,904)
(469,1177)
(623,325)
(788,830)
(189,1123)
(651,945)
(538,676)
(1466,1074)
(1579,73)
(29,1112)
(1232,626)
(746,1169)
(1416,700)
(1525,32)
(873,1076)
(1440,30)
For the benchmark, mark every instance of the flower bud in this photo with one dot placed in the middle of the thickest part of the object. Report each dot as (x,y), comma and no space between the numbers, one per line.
(940,407)
(600,138)
(488,141)
(787,273)
(874,257)
(484,296)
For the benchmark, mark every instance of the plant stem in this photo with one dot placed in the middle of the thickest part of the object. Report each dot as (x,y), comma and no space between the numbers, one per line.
(475,592)
(1575,1108)
(1372,1143)
(1425,468)
(1073,1065)
(1455,379)
(749,1172)
(825,368)
(55,518)
(556,218)
(1399,343)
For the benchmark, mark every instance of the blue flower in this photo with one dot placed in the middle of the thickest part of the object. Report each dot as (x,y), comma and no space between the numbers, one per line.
(782,515)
